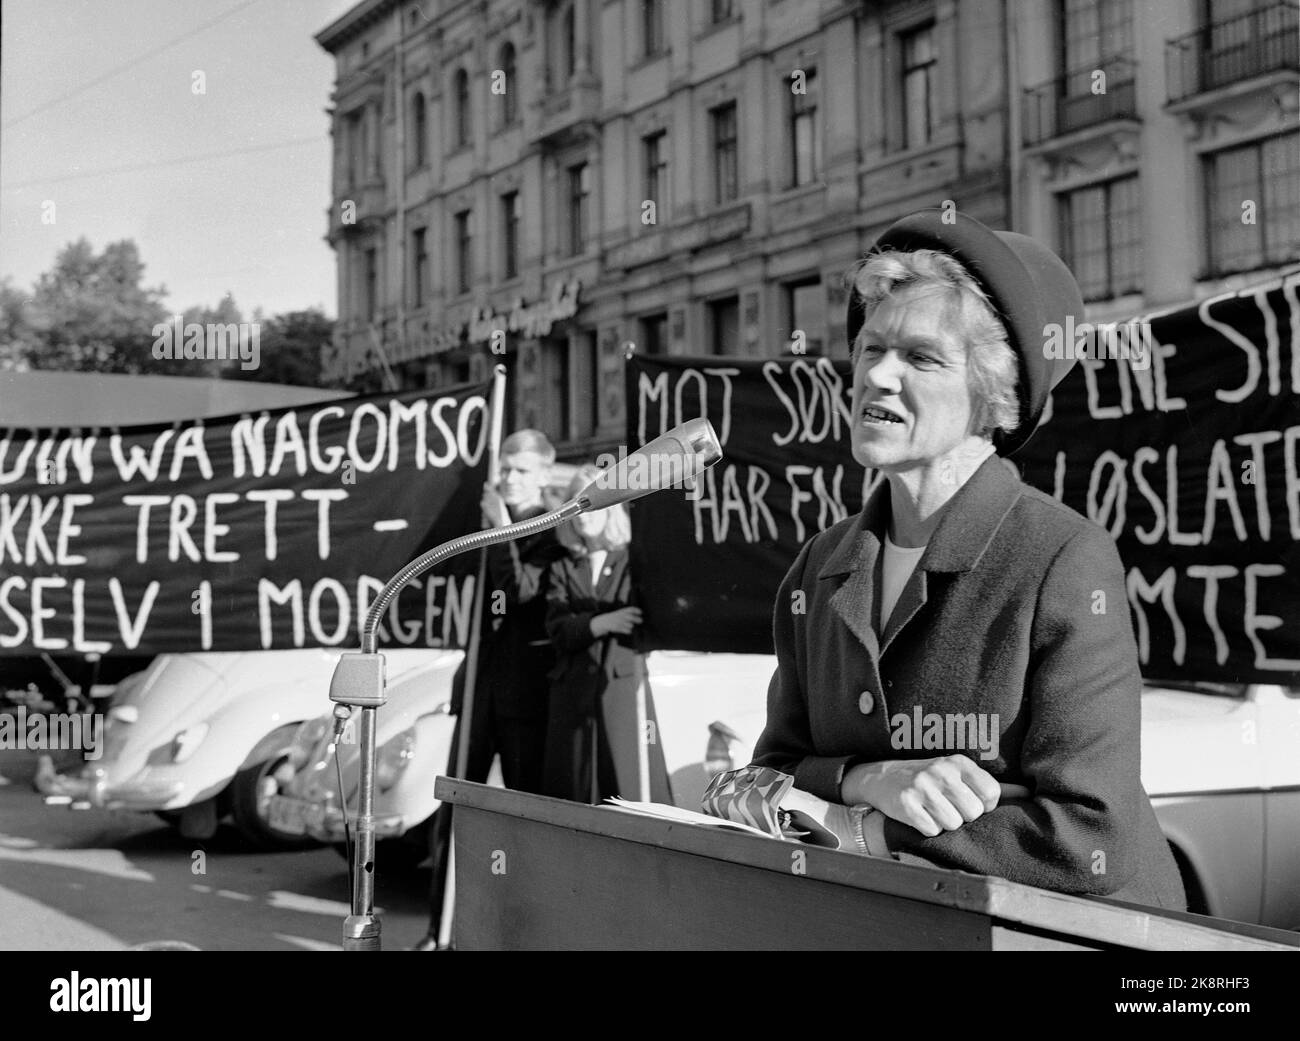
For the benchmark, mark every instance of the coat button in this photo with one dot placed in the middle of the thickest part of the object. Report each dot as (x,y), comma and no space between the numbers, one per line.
(866,702)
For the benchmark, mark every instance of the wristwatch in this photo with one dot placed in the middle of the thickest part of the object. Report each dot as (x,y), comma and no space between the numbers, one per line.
(868,825)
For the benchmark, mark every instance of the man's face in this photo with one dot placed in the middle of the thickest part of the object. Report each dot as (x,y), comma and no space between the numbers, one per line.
(910,361)
(523,475)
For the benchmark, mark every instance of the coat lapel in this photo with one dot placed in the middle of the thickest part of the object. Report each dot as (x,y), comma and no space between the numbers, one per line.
(970,521)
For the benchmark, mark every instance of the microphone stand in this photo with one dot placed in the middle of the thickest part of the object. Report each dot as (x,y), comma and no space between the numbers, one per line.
(359,679)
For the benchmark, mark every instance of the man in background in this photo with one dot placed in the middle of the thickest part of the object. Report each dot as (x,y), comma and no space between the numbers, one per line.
(515,654)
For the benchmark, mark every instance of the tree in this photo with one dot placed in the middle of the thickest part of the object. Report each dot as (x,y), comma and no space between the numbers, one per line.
(225,313)
(16,333)
(91,314)
(291,348)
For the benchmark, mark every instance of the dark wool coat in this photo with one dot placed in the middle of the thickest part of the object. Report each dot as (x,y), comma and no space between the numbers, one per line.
(1017,608)
(596,680)
(515,653)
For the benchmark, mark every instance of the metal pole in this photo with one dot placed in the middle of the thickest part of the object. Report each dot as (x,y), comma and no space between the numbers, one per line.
(361,930)
(472,651)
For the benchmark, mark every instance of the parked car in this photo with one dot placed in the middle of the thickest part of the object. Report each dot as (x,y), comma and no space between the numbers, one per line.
(412,738)
(195,737)
(1221,763)
(413,735)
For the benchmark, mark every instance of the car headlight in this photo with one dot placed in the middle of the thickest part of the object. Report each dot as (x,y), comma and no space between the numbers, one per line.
(309,735)
(393,758)
(185,743)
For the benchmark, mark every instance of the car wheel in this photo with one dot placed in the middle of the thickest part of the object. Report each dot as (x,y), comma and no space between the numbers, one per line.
(249,792)
(392,856)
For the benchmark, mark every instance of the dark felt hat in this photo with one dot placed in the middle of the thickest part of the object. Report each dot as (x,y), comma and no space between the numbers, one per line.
(1028,284)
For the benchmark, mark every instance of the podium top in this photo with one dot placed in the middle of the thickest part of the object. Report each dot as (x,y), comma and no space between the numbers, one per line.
(1093,921)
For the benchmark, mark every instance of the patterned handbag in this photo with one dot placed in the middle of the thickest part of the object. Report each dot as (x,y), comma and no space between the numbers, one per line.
(750,795)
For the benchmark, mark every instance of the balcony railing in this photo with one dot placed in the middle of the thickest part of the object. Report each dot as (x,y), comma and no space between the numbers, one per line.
(1235,49)
(1080,99)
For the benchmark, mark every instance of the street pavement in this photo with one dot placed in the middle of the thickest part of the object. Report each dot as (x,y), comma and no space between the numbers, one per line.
(73,880)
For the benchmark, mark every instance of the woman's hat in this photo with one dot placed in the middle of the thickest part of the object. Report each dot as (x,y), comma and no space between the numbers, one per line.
(1029,286)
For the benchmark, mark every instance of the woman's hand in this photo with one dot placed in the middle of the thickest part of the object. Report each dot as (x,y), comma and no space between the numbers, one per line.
(495,514)
(931,795)
(620,622)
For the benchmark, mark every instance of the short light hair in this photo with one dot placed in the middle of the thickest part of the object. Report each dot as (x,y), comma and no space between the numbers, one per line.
(992,372)
(618,525)
(528,440)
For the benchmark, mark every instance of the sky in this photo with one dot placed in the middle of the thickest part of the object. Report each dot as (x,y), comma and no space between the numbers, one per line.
(223,191)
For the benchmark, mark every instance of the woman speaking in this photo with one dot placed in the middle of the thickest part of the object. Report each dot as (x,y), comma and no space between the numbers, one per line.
(964,600)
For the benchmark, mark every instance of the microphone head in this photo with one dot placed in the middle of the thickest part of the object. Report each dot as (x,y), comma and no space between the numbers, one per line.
(682,453)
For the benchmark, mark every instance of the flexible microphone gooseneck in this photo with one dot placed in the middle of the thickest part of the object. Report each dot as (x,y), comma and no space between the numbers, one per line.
(670,460)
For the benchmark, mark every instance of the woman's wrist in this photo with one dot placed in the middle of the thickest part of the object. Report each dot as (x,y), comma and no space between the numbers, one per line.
(856,786)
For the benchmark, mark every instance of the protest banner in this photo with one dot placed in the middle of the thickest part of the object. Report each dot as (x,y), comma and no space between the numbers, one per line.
(1187,456)
(267,530)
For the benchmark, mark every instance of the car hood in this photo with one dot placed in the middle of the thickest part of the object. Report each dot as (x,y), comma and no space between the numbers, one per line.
(179,691)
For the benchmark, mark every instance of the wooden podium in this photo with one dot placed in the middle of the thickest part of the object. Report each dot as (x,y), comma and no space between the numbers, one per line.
(543,874)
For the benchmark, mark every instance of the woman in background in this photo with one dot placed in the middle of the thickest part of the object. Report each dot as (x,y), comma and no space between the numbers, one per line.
(598,742)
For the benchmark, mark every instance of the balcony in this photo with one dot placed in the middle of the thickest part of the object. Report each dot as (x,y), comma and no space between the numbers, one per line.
(1081,104)
(563,109)
(1228,53)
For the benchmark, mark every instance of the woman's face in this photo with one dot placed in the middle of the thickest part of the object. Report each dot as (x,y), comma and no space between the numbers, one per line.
(911,402)
(590,525)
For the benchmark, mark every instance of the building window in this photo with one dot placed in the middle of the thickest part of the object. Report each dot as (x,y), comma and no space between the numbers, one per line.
(655,168)
(918,86)
(509,104)
(370,289)
(464,251)
(805,151)
(1101,238)
(419,267)
(1266,173)
(579,199)
(652,27)
(510,234)
(460,92)
(724,326)
(555,411)
(805,312)
(721,11)
(1092,33)
(354,141)
(654,333)
(419,132)
(726,185)
(584,385)
(569,44)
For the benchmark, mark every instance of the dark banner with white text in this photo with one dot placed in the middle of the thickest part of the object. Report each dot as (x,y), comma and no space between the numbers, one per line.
(262,531)
(1186,455)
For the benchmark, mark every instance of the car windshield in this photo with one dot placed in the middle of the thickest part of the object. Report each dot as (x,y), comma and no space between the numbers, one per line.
(1223,690)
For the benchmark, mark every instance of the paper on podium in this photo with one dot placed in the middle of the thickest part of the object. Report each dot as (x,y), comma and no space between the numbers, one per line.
(675,813)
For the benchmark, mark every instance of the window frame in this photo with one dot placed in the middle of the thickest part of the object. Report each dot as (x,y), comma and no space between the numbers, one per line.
(577,204)
(803,108)
(1215,267)
(732,143)
(905,76)
(511,223)
(463,241)
(1069,252)
(464,116)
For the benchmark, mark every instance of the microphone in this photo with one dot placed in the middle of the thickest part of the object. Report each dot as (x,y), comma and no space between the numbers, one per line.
(359,679)
(668,461)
